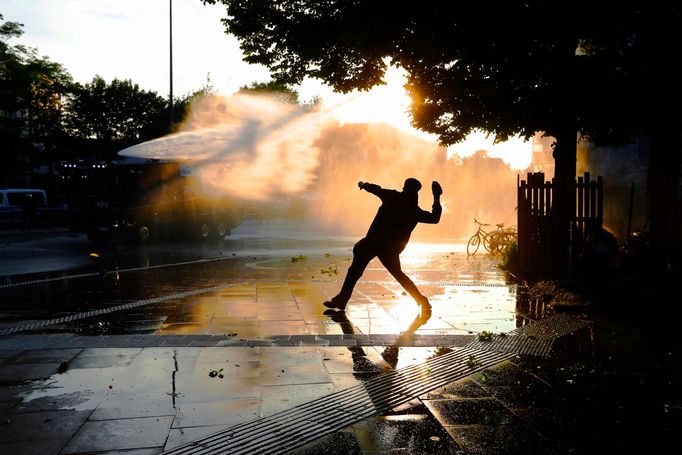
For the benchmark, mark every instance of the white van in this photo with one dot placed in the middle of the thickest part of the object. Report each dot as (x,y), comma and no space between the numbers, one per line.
(14,200)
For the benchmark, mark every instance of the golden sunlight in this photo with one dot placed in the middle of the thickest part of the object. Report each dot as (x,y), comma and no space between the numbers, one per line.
(516,152)
(417,254)
(390,104)
(387,103)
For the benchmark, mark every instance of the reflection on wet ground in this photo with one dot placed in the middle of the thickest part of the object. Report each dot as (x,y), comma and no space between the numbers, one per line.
(604,382)
(278,275)
(262,281)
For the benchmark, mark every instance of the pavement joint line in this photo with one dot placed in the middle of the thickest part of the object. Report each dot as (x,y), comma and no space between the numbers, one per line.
(188,293)
(59,341)
(126,306)
(290,429)
(312,280)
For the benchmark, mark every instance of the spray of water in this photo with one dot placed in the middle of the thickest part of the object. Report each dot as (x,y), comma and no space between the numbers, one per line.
(245,146)
(269,152)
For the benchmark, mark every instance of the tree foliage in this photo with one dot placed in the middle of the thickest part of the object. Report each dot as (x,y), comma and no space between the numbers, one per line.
(115,112)
(513,67)
(276,88)
(31,88)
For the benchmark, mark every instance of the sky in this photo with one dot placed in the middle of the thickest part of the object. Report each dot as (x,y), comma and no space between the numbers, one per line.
(129,39)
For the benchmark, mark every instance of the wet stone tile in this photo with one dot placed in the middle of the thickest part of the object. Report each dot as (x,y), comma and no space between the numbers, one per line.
(279,398)
(499,440)
(183,435)
(98,352)
(505,374)
(82,400)
(195,388)
(27,372)
(470,411)
(42,447)
(306,374)
(7,409)
(465,388)
(408,433)
(42,425)
(339,443)
(225,413)
(13,392)
(552,424)
(129,405)
(100,361)
(121,434)
(153,451)
(525,396)
(43,356)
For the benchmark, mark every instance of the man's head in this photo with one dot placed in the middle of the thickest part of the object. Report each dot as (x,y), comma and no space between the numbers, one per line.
(412,185)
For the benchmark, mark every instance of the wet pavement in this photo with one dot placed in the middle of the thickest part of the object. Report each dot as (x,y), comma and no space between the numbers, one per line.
(143,350)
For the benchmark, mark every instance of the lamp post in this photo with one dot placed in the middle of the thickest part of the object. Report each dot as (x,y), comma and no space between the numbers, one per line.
(170,5)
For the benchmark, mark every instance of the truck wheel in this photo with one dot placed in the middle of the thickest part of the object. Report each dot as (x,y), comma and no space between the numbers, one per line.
(204,230)
(143,234)
(222,230)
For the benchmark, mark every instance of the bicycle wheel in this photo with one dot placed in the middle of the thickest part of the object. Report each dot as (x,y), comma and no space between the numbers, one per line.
(493,242)
(508,240)
(474,243)
(487,242)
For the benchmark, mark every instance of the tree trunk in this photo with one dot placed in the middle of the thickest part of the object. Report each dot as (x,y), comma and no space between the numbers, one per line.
(663,187)
(565,152)
(563,204)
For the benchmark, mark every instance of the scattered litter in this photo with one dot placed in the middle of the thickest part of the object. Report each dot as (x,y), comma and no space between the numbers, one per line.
(472,362)
(214,373)
(485,336)
(331,270)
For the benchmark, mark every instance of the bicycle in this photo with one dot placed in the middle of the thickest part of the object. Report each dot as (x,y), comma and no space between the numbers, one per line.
(494,242)
(502,239)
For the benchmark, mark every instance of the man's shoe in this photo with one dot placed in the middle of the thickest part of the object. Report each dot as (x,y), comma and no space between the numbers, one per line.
(424,308)
(390,355)
(425,311)
(335,304)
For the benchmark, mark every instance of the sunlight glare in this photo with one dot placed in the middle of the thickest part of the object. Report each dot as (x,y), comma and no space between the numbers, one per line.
(418,254)
(516,152)
(390,104)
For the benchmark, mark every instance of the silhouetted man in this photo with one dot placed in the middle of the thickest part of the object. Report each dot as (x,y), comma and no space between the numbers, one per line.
(387,237)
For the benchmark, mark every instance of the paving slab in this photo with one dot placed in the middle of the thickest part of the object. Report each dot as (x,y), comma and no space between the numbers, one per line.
(120,434)
(32,426)
(210,413)
(130,405)
(20,372)
(33,447)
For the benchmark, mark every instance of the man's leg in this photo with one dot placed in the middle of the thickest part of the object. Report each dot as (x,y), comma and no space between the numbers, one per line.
(392,263)
(363,252)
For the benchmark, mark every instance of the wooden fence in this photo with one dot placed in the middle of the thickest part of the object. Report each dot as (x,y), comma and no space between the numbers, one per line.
(543,243)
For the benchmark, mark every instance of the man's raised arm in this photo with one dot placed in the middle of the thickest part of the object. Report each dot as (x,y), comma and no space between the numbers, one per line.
(433,216)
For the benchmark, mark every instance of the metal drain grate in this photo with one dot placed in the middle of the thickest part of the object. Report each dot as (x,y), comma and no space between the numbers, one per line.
(293,428)
(517,344)
(535,338)
(287,430)
(554,326)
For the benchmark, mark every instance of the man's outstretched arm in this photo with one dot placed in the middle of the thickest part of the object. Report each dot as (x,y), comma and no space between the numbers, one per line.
(370,188)
(433,216)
